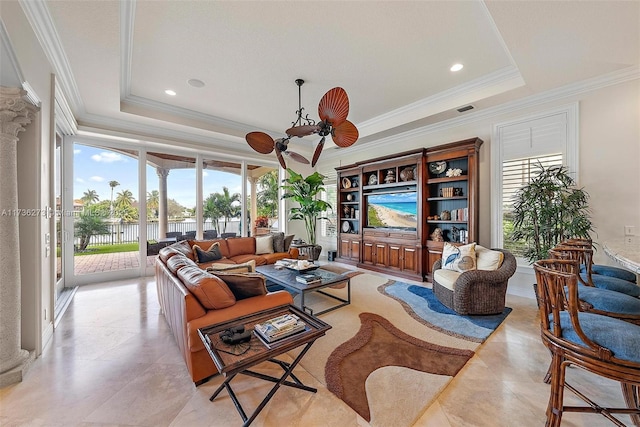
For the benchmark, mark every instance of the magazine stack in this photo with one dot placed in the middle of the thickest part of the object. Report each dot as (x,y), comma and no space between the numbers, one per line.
(308,278)
(279,327)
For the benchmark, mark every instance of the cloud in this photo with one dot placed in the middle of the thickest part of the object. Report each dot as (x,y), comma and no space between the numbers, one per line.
(205,173)
(96,178)
(76,151)
(79,180)
(108,157)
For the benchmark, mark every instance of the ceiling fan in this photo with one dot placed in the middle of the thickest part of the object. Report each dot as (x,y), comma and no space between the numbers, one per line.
(332,109)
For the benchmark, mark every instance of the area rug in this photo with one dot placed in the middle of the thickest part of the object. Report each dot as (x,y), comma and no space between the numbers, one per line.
(422,304)
(376,345)
(392,385)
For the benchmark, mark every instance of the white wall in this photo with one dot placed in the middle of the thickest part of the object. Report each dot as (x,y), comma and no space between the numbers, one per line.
(609,146)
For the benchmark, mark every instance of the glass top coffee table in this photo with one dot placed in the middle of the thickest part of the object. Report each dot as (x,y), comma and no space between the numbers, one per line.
(231,360)
(287,279)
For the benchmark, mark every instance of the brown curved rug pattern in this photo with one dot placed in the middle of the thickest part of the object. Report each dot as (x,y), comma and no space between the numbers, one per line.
(377,344)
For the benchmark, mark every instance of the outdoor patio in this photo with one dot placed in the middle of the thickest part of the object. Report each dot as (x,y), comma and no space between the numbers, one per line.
(88,264)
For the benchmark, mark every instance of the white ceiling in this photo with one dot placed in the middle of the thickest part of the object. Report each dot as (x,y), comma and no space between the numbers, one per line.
(115,59)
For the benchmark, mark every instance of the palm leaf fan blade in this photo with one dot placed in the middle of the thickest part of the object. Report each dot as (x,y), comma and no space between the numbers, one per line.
(334,107)
(345,135)
(316,154)
(260,141)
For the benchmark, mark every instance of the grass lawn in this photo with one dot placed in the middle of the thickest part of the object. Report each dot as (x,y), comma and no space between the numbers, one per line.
(109,249)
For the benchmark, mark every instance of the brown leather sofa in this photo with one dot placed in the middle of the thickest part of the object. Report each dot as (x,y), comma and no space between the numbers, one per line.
(191,297)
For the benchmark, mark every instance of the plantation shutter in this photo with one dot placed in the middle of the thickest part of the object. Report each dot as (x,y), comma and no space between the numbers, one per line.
(547,139)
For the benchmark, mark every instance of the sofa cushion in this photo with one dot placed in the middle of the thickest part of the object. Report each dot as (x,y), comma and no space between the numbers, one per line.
(208,255)
(264,244)
(278,241)
(459,258)
(244,285)
(241,246)
(210,290)
(184,247)
(178,261)
(276,256)
(446,278)
(205,244)
(241,259)
(167,252)
(247,267)
(487,259)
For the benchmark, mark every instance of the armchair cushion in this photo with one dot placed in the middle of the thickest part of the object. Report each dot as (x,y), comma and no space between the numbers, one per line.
(446,278)
(459,258)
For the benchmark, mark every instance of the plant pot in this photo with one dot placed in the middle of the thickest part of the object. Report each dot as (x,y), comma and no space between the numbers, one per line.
(314,252)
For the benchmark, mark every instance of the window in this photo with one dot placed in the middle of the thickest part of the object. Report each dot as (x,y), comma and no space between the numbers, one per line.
(515,174)
(328,226)
(549,138)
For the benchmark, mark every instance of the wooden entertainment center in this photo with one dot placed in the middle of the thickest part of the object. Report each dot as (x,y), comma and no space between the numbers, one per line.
(389,207)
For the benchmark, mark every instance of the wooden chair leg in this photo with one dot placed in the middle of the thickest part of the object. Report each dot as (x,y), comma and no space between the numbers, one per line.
(632,399)
(554,409)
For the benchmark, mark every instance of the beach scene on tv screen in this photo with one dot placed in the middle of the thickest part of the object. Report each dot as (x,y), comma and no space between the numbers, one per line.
(394,210)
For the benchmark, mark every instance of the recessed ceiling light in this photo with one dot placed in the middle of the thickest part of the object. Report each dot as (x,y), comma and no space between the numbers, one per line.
(456,67)
(170,92)
(195,82)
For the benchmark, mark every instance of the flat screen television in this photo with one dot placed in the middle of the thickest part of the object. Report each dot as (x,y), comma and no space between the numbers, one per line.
(392,210)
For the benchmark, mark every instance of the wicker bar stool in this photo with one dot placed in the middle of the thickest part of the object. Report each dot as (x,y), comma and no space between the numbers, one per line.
(599,344)
(604,270)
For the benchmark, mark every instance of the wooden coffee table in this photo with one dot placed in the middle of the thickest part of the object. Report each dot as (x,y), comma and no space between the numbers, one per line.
(234,360)
(287,279)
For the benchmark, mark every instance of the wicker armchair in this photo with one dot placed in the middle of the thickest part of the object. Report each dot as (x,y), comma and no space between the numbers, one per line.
(477,292)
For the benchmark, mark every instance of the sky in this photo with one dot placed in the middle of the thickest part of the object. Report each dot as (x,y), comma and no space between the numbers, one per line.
(94,167)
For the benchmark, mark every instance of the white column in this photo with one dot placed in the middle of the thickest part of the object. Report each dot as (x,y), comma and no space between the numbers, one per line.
(253,212)
(163,210)
(15,114)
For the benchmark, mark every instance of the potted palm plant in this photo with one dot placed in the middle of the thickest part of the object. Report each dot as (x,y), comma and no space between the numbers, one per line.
(548,210)
(305,192)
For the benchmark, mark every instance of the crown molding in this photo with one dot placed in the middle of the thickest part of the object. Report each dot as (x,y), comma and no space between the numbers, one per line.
(127,19)
(40,19)
(499,81)
(65,121)
(557,94)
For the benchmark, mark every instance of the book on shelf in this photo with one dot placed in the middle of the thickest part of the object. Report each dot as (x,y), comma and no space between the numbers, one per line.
(308,278)
(279,327)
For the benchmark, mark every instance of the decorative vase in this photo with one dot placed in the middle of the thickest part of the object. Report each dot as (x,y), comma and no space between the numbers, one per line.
(315,252)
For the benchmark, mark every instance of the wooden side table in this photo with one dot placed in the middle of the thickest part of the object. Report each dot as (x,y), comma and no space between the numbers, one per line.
(232,361)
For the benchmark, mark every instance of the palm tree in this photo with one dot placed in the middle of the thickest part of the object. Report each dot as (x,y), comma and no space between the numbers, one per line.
(267,196)
(210,210)
(112,184)
(124,206)
(153,202)
(225,205)
(90,197)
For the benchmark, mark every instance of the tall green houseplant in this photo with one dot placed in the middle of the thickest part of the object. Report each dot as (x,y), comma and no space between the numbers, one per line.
(305,192)
(548,210)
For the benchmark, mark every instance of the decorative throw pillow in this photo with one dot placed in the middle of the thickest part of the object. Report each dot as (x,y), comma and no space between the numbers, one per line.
(264,244)
(487,259)
(459,258)
(278,241)
(211,254)
(287,242)
(247,267)
(244,285)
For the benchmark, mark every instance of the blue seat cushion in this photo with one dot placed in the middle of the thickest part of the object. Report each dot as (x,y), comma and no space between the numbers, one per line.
(613,284)
(611,301)
(607,270)
(622,338)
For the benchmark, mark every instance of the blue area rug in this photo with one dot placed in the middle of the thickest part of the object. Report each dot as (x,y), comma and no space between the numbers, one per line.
(421,304)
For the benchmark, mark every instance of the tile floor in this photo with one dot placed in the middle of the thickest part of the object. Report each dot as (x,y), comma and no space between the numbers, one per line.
(113,362)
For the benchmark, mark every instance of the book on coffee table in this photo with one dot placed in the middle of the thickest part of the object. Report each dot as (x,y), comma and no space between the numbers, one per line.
(308,278)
